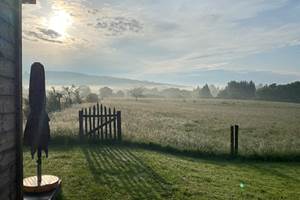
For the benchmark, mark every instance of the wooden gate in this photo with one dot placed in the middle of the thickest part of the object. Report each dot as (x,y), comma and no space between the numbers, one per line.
(100,122)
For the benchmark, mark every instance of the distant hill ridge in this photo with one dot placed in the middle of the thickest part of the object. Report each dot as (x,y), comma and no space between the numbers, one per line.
(69,78)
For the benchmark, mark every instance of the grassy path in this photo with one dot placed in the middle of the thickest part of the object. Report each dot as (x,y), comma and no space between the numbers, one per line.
(116,172)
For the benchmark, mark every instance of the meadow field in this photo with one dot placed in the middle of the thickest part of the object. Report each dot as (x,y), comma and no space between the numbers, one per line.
(178,149)
(267,129)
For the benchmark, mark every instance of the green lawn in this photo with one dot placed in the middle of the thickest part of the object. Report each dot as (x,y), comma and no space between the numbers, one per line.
(98,171)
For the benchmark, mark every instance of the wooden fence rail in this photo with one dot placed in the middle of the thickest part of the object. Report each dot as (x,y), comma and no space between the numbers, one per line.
(100,122)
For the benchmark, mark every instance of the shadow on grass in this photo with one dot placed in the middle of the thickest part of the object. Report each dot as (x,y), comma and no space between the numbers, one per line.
(74,140)
(123,172)
(211,155)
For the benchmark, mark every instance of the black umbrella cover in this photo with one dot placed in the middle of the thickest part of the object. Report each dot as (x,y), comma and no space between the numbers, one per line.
(37,130)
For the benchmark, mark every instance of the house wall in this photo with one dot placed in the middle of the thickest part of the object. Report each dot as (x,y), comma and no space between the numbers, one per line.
(10,100)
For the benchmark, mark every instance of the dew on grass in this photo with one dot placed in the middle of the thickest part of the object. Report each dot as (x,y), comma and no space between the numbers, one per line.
(242,185)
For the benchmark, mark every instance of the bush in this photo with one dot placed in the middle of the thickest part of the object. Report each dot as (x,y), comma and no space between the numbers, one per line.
(105,92)
(120,93)
(54,100)
(92,98)
(137,92)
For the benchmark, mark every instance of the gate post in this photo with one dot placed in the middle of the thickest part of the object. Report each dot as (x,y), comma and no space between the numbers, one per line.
(119,126)
(80,124)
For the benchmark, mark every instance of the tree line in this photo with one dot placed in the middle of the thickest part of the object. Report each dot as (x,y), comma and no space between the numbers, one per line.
(289,92)
(233,90)
(66,96)
(69,95)
(273,92)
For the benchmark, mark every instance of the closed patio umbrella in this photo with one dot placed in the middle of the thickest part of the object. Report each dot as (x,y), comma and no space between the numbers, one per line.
(37,130)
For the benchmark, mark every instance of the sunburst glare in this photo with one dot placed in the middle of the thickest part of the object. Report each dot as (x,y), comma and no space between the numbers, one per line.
(60,21)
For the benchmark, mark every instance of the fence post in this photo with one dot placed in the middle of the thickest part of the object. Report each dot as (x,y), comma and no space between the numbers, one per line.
(80,124)
(232,141)
(110,126)
(98,120)
(86,122)
(115,123)
(236,138)
(90,122)
(106,120)
(119,126)
(101,121)
(94,122)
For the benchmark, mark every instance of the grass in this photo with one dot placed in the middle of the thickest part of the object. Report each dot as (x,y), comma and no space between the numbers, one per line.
(267,129)
(176,149)
(98,171)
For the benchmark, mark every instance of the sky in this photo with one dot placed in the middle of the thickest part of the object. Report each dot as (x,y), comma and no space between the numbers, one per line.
(189,42)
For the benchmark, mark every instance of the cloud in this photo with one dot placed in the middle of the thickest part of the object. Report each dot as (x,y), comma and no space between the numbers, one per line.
(47,35)
(50,33)
(118,25)
(152,37)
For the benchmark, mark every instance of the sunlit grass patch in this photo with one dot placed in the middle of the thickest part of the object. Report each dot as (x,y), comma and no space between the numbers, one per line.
(118,172)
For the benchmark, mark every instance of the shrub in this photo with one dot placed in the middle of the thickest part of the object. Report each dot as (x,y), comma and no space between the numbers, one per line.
(92,97)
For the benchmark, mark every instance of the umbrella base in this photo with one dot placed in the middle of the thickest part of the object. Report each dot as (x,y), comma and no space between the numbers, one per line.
(48,184)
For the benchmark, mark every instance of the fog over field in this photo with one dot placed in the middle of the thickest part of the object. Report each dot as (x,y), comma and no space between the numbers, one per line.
(59,79)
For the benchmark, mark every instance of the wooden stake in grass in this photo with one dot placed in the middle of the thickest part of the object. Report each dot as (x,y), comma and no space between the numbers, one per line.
(234,140)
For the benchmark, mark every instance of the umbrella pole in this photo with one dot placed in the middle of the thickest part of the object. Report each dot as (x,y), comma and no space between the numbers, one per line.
(39,167)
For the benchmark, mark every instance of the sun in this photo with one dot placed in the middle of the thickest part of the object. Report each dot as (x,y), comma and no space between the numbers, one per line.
(60,21)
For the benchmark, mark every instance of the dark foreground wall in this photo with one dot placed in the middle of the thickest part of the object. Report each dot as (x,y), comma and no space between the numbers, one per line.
(10,100)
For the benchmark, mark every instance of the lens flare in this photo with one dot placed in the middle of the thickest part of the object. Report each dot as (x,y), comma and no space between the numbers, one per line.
(60,21)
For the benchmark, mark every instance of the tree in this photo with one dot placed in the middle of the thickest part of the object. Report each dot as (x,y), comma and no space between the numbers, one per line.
(67,95)
(239,90)
(205,92)
(289,92)
(84,91)
(120,93)
(92,98)
(54,100)
(77,96)
(214,90)
(196,92)
(105,92)
(172,93)
(71,95)
(137,92)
